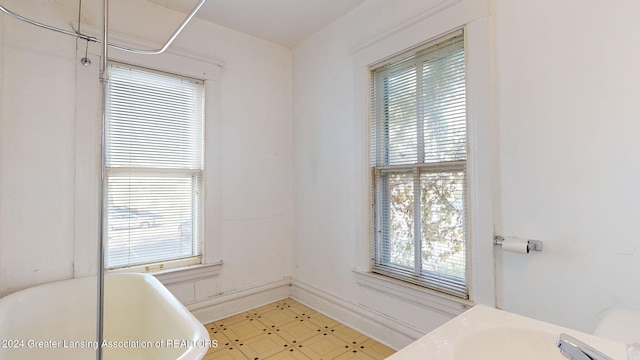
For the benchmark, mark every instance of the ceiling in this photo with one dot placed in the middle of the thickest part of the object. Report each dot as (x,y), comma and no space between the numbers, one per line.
(285,22)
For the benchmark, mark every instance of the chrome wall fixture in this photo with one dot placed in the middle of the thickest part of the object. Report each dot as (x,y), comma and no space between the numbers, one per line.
(532,245)
(79,35)
(104,81)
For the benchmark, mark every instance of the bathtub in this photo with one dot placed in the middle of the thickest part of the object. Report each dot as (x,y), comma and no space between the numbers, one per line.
(142,320)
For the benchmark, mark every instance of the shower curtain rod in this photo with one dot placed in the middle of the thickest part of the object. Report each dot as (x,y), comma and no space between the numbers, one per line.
(115,46)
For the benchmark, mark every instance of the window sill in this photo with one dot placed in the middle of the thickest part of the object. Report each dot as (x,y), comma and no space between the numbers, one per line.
(188,273)
(433,300)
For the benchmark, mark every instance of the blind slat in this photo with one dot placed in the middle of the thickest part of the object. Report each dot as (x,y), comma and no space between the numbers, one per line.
(419,118)
(154,167)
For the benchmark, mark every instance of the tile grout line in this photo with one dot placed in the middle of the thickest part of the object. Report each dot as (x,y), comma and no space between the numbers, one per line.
(242,339)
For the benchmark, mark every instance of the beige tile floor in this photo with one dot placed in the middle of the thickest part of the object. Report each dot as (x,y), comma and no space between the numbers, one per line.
(288,329)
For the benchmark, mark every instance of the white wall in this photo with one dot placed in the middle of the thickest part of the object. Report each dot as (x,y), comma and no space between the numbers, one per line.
(563,78)
(36,223)
(1,126)
(40,146)
(567,93)
(330,153)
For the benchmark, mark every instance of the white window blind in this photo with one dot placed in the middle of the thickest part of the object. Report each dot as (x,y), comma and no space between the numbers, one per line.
(419,167)
(154,167)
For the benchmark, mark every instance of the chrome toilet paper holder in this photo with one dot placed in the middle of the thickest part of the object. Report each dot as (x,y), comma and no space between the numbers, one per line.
(533,245)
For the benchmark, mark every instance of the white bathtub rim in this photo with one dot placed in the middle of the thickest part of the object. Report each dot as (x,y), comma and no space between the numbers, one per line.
(58,290)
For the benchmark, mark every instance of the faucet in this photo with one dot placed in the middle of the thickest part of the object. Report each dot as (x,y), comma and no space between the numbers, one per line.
(575,349)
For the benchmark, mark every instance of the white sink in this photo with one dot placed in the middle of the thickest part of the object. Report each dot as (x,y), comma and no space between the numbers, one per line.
(487,333)
(621,325)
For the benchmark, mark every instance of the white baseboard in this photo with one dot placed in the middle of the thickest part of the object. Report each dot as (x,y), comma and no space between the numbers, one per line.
(236,301)
(383,328)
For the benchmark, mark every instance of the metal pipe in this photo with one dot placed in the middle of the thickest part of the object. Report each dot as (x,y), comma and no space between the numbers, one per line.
(104,82)
(170,40)
(115,46)
(45,26)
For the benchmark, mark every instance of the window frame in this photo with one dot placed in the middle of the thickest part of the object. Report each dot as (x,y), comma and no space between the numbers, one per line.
(432,280)
(196,175)
(87,156)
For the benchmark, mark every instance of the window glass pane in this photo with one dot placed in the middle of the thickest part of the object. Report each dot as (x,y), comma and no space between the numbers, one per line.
(442,199)
(444,107)
(401,113)
(154,120)
(154,167)
(150,218)
(400,215)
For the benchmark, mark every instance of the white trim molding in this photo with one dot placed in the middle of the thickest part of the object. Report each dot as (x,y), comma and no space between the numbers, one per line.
(417,295)
(473,17)
(371,322)
(87,152)
(188,274)
(375,324)
(425,14)
(232,302)
(136,42)
(381,327)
